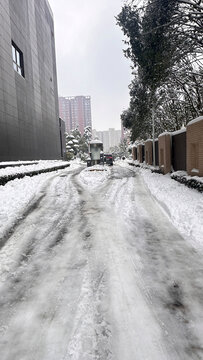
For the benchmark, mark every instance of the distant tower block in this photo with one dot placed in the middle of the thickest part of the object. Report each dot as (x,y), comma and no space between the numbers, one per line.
(76,112)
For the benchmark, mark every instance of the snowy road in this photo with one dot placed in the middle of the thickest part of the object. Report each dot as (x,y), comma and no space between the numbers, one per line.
(99,275)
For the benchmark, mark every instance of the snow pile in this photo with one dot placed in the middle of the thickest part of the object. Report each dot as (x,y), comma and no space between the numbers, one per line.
(42,164)
(4,164)
(17,195)
(188,177)
(184,206)
(76,162)
(94,176)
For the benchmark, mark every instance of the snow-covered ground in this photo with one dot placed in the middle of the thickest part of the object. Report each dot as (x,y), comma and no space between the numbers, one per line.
(17,163)
(95,270)
(94,176)
(42,164)
(17,195)
(182,205)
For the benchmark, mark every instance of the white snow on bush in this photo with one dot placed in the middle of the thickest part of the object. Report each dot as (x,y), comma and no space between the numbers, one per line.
(42,164)
(18,163)
(94,176)
(188,177)
(184,206)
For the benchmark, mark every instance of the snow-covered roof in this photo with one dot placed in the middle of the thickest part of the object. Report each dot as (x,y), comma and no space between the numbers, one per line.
(148,140)
(96,141)
(200,118)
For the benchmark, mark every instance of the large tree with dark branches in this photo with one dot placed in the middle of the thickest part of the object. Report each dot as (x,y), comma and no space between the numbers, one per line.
(163,39)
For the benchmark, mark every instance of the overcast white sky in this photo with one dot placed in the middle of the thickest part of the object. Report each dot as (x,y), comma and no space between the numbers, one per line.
(89,55)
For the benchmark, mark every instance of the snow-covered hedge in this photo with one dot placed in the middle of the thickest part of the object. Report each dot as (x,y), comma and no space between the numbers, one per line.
(5,178)
(153,169)
(4,165)
(191,181)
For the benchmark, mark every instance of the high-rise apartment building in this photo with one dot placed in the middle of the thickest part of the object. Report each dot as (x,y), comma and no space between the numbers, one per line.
(76,112)
(29,119)
(110,138)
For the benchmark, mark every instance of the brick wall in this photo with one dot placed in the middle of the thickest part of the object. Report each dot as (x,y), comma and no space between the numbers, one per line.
(165,153)
(195,147)
(179,150)
(148,152)
(134,152)
(140,153)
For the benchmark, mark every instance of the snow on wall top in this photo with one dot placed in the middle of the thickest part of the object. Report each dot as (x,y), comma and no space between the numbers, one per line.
(200,118)
(173,132)
(165,133)
(141,143)
(179,131)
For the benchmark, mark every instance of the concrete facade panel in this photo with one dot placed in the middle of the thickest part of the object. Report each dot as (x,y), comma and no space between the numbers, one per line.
(29,104)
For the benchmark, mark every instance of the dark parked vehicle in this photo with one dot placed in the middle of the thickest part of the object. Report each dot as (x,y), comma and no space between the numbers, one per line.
(108,159)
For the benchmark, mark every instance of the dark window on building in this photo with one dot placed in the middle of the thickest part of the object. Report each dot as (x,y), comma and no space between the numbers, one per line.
(18,63)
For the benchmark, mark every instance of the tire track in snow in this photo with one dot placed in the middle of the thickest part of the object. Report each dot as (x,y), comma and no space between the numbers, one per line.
(91,333)
(171,294)
(22,284)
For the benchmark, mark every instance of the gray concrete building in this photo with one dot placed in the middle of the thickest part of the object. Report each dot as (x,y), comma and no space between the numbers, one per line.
(29,119)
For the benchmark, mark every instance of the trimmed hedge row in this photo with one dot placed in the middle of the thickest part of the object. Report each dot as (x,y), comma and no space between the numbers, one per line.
(6,178)
(136,165)
(20,164)
(190,182)
(157,171)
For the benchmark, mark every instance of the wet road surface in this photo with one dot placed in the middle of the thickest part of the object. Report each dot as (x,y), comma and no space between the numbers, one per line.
(99,274)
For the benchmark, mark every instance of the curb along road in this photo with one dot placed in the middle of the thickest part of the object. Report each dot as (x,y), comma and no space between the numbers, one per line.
(6,178)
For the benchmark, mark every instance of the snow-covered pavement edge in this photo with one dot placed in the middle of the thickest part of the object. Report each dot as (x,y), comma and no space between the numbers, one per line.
(184,206)
(17,195)
(31,170)
(37,166)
